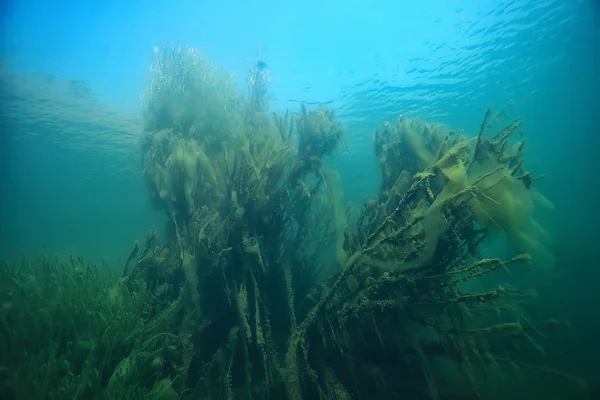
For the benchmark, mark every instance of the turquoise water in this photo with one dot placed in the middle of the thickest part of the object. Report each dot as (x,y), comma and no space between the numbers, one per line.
(71,174)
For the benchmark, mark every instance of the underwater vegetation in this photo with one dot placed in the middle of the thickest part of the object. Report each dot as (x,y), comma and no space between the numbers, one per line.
(263,288)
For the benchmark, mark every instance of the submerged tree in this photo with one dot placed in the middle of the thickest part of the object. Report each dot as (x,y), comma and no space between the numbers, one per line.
(255,214)
(263,289)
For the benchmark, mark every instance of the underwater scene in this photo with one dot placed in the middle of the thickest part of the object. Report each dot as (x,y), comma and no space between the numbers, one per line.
(310,200)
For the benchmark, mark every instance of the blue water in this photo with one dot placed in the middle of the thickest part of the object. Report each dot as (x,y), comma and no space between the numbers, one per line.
(72,74)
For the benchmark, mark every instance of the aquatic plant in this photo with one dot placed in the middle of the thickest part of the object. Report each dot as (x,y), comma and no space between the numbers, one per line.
(70,330)
(263,290)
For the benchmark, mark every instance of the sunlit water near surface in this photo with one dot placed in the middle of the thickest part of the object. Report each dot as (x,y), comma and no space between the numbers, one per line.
(71,176)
